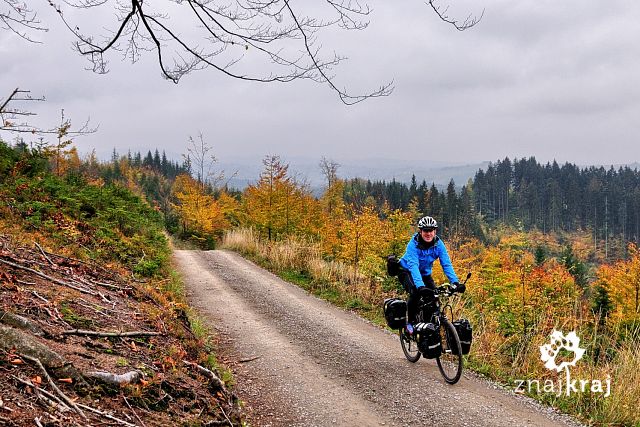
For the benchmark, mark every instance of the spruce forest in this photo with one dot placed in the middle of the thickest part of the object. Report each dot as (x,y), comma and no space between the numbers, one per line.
(549,246)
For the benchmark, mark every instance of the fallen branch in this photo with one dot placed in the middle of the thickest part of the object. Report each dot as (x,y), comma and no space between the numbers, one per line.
(134,412)
(93,308)
(44,276)
(92,263)
(43,391)
(131,377)
(40,297)
(225,415)
(207,373)
(44,254)
(110,334)
(64,397)
(250,359)
(105,285)
(108,416)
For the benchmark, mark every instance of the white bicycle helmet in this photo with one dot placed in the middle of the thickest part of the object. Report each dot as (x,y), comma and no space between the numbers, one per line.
(427,222)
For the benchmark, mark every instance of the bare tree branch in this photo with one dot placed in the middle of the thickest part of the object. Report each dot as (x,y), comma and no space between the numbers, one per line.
(18,18)
(10,120)
(229,37)
(469,21)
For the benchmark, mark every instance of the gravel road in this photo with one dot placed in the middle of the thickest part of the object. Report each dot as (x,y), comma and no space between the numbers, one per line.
(298,361)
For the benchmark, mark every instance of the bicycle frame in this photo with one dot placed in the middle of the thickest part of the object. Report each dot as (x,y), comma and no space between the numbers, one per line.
(450,361)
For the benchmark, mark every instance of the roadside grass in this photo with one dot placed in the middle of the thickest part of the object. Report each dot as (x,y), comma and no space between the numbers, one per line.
(502,360)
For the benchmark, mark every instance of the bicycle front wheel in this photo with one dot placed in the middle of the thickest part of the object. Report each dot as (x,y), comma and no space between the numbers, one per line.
(450,361)
(409,346)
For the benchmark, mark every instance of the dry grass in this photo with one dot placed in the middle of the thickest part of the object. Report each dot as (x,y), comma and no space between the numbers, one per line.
(298,254)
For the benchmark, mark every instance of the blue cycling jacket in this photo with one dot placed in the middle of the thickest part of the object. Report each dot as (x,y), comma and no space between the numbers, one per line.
(420,261)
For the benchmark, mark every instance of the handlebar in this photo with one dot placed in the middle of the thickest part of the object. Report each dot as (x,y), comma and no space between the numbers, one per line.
(446,289)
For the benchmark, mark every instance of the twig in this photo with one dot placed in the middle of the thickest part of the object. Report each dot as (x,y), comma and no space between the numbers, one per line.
(110,334)
(43,391)
(93,263)
(93,308)
(53,384)
(250,359)
(208,373)
(105,299)
(104,414)
(105,285)
(41,298)
(5,408)
(37,421)
(134,412)
(225,414)
(44,276)
(106,308)
(44,254)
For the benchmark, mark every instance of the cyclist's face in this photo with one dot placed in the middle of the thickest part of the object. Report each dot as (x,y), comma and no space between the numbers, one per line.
(428,235)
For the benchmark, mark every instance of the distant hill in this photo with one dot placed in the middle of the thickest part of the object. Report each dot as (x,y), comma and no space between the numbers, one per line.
(248,170)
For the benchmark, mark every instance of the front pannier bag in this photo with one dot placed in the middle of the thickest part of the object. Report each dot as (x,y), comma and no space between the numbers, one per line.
(428,340)
(395,312)
(463,327)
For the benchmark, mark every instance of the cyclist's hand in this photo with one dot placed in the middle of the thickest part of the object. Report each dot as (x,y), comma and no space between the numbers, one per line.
(458,287)
(424,291)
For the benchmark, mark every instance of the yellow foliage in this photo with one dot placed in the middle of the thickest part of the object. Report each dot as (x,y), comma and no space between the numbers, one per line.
(277,205)
(363,235)
(198,212)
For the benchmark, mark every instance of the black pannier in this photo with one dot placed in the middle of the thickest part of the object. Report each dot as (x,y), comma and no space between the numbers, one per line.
(428,340)
(393,265)
(395,312)
(463,327)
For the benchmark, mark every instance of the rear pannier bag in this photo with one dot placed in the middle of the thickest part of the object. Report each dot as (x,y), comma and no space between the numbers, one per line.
(395,312)
(463,327)
(428,340)
(393,265)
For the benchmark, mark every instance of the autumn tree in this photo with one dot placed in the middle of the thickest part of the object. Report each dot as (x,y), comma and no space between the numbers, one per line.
(332,207)
(200,214)
(363,235)
(621,281)
(277,204)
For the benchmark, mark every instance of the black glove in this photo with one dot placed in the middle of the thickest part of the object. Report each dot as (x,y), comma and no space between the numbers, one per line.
(425,293)
(458,287)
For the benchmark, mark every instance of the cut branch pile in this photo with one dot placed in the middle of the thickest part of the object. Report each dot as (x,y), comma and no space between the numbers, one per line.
(81,345)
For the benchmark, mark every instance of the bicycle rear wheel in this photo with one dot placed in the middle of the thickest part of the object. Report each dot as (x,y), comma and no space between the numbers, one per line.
(450,361)
(409,346)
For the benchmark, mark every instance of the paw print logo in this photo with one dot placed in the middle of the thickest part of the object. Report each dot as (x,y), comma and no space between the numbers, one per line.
(570,343)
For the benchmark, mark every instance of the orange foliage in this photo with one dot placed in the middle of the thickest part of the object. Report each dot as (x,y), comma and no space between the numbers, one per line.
(622,282)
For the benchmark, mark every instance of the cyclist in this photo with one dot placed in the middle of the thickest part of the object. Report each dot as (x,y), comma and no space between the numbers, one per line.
(417,262)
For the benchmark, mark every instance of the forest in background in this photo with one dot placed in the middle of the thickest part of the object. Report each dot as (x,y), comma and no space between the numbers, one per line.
(532,273)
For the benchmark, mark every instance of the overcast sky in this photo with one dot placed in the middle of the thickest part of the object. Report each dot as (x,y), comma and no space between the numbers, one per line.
(550,79)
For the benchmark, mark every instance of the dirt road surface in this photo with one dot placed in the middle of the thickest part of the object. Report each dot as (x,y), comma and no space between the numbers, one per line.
(298,361)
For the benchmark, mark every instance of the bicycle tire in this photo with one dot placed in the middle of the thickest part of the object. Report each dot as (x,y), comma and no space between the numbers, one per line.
(450,361)
(409,346)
